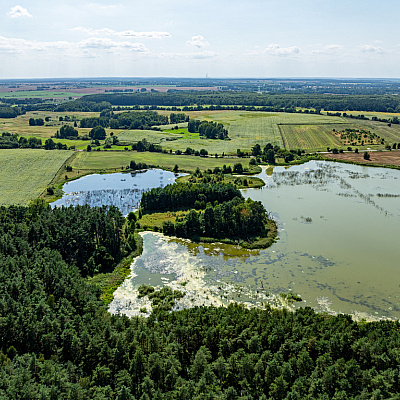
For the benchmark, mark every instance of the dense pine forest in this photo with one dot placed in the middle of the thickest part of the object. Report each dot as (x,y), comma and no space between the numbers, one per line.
(186,195)
(57,340)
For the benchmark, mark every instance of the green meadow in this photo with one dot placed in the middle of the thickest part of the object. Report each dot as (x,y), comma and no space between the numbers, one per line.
(26,173)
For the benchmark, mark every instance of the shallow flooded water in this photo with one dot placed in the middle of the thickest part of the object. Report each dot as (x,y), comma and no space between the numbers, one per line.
(123,190)
(339,227)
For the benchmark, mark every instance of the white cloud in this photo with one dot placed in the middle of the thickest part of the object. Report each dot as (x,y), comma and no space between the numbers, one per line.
(329,49)
(367,48)
(276,50)
(18,12)
(201,55)
(122,34)
(103,7)
(198,41)
(107,44)
(91,47)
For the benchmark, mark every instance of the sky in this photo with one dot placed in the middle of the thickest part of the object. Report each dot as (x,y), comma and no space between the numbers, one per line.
(191,38)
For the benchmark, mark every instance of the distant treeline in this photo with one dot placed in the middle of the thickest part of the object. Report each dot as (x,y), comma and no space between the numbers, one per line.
(187,195)
(9,112)
(267,102)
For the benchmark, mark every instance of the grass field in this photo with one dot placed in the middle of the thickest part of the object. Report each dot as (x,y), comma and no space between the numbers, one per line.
(113,160)
(25,173)
(155,137)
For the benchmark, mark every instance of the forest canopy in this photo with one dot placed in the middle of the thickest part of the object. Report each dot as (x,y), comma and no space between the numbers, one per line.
(57,341)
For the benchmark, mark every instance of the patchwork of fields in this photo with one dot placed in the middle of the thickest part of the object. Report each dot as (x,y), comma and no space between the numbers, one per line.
(25,173)
(246,129)
(309,132)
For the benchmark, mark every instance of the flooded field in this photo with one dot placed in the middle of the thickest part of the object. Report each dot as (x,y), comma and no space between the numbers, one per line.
(123,190)
(339,227)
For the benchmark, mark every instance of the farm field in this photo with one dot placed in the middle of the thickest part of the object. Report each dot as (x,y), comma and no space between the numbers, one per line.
(21,127)
(113,160)
(319,137)
(25,173)
(293,131)
(391,158)
(127,137)
(390,133)
(26,94)
(245,129)
(310,137)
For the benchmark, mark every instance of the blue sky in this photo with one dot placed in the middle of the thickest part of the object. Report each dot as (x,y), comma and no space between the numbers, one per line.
(176,38)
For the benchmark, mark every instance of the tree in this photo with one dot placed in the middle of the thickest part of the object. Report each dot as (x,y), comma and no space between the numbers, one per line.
(176,168)
(366,155)
(203,152)
(67,131)
(256,150)
(32,122)
(98,132)
(270,156)
(49,144)
(238,168)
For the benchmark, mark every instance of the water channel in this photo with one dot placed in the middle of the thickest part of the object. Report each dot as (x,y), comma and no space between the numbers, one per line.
(339,228)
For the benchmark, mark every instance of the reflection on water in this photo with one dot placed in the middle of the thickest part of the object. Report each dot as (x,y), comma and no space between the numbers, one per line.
(339,227)
(123,190)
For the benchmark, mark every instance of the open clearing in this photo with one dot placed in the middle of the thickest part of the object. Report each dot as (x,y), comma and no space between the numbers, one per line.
(25,173)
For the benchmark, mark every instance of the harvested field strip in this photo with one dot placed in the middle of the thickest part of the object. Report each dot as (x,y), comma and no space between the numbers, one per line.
(309,137)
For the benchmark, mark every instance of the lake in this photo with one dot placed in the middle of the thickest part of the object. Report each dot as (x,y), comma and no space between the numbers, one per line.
(339,227)
(123,190)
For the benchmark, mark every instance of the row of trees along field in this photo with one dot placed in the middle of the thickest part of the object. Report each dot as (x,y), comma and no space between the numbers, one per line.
(13,141)
(185,195)
(57,340)
(267,102)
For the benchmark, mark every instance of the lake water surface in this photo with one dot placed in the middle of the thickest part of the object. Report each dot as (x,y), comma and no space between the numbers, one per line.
(339,230)
(123,190)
